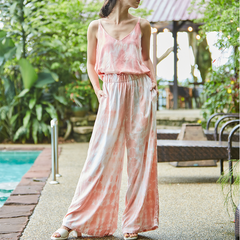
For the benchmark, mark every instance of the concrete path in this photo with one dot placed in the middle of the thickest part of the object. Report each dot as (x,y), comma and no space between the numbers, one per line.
(191,202)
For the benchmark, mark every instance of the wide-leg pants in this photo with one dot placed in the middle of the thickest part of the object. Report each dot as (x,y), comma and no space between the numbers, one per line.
(126,117)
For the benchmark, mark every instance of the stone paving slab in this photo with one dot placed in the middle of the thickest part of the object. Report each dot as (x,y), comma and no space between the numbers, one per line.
(22,199)
(12,225)
(191,202)
(16,211)
(37,174)
(11,236)
(24,190)
(32,182)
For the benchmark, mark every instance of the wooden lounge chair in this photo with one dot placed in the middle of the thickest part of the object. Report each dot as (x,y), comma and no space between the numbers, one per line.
(171,134)
(182,150)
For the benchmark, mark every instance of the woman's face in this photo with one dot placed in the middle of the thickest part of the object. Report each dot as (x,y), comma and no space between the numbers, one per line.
(131,3)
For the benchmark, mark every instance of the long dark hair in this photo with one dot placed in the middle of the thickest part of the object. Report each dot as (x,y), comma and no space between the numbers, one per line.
(107,8)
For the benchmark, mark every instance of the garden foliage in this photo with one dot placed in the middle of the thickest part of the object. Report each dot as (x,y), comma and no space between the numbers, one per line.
(43,48)
(222,91)
(222,87)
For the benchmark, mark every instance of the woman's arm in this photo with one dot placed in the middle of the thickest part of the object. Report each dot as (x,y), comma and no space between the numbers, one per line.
(91,57)
(145,43)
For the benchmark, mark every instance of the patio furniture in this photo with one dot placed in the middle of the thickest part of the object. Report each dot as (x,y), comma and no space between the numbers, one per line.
(220,138)
(220,120)
(182,150)
(193,132)
(173,134)
(237,223)
(231,155)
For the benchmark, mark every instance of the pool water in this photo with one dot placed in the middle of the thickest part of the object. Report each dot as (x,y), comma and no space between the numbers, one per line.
(13,165)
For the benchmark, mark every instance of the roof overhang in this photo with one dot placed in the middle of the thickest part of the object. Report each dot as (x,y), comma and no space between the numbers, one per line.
(167,11)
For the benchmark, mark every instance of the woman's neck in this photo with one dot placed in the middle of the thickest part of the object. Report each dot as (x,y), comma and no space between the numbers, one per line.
(119,13)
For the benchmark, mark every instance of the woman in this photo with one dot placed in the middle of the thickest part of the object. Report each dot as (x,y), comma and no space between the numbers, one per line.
(118,53)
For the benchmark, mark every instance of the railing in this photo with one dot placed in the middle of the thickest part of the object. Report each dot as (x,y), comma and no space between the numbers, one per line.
(54,145)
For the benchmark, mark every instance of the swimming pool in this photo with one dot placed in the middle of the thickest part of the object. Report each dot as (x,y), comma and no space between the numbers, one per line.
(13,165)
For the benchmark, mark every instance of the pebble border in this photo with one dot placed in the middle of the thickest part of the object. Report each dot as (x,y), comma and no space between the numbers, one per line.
(16,211)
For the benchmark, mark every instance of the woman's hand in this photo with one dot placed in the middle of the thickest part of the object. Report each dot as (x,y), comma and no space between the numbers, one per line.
(100,94)
(154,86)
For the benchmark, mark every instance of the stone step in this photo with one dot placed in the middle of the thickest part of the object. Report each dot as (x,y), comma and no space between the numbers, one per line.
(83,130)
(83,121)
(166,119)
(177,114)
(178,117)
(82,133)
(168,127)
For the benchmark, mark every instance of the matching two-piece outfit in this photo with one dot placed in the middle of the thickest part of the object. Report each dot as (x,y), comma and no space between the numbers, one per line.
(126,117)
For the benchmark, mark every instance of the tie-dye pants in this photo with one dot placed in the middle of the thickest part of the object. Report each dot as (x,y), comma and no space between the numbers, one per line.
(126,117)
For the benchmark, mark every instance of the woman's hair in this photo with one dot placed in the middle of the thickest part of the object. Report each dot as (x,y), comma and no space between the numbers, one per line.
(107,8)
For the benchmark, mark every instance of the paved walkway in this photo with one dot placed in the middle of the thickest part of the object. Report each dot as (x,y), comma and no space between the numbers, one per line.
(191,203)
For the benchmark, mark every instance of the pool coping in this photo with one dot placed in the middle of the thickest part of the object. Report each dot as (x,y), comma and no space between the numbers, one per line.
(16,211)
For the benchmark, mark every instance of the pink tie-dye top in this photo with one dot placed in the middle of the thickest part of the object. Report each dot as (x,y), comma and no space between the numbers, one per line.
(120,56)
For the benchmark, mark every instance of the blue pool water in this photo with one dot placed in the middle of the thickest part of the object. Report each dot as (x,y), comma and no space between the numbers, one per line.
(13,165)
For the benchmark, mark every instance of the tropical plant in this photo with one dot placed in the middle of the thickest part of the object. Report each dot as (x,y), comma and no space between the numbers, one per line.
(8,120)
(32,107)
(221,91)
(22,87)
(222,87)
(221,17)
(36,111)
(79,92)
(42,43)
(231,191)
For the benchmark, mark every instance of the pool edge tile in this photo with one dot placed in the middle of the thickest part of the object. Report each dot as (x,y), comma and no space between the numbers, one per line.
(11,236)
(35,178)
(27,199)
(12,225)
(9,211)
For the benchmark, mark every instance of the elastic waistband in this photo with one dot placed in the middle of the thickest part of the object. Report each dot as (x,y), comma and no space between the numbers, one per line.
(123,77)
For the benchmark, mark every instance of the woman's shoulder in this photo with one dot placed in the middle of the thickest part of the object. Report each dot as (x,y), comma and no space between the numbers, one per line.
(144,26)
(144,23)
(93,24)
(93,27)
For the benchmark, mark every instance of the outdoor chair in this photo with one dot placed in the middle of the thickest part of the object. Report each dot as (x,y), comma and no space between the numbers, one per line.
(220,137)
(183,150)
(170,134)
(237,223)
(231,155)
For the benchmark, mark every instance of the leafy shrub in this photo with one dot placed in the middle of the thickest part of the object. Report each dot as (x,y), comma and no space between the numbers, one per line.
(79,92)
(221,91)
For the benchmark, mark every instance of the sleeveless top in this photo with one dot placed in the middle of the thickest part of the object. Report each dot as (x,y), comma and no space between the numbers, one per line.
(120,56)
